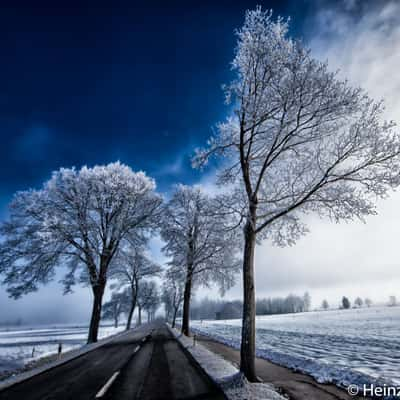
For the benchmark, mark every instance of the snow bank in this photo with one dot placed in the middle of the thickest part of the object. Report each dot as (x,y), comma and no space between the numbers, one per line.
(228,377)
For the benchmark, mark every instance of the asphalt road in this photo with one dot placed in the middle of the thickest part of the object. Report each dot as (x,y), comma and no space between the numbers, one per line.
(128,367)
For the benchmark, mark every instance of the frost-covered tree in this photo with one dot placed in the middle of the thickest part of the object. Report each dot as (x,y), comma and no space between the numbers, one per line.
(392,301)
(325,304)
(307,301)
(147,299)
(368,302)
(117,305)
(199,243)
(345,303)
(298,140)
(131,265)
(153,302)
(358,302)
(77,220)
(172,294)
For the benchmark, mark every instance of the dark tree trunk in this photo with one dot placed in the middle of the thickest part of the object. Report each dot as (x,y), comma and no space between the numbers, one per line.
(174,317)
(116,321)
(98,292)
(131,311)
(130,315)
(139,315)
(186,305)
(247,349)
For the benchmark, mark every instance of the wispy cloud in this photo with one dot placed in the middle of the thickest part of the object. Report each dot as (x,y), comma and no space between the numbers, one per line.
(173,167)
(363,41)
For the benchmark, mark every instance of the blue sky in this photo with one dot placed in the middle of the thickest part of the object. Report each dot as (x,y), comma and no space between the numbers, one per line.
(85,82)
(139,82)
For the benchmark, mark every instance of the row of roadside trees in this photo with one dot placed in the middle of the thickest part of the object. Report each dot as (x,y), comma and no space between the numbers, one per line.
(147,298)
(202,250)
(297,140)
(96,223)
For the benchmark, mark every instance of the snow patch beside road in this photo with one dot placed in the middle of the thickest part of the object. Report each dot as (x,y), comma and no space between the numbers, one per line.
(226,375)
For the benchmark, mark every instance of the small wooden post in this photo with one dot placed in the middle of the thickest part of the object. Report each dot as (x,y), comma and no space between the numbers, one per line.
(59,349)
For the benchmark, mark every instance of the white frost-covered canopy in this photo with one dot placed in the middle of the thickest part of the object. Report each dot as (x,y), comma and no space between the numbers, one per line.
(79,218)
(299,139)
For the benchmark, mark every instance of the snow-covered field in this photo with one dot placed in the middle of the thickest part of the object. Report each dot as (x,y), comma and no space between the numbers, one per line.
(17,344)
(341,346)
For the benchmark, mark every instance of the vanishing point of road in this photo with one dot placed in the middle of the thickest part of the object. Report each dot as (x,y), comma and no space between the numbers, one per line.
(146,363)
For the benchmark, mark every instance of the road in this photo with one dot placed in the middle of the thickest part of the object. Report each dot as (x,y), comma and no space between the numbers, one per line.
(147,364)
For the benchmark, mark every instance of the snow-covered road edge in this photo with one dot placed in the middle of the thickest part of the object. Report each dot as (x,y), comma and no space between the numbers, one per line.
(13,380)
(225,374)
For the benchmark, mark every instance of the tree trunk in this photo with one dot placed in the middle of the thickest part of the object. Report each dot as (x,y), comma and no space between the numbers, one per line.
(247,349)
(129,321)
(98,292)
(131,311)
(186,305)
(139,315)
(116,321)
(174,317)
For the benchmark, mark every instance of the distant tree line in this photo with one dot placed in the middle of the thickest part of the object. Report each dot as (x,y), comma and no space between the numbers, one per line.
(224,309)
(358,303)
(346,304)
(283,305)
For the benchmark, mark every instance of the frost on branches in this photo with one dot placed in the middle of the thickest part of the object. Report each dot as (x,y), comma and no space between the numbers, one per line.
(148,299)
(78,219)
(116,306)
(198,241)
(299,140)
(172,293)
(132,264)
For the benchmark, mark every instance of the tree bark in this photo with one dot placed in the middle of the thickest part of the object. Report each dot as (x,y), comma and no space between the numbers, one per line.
(174,317)
(139,315)
(247,349)
(131,311)
(98,292)
(186,305)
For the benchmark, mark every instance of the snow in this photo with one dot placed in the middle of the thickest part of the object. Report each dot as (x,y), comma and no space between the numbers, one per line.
(227,376)
(340,346)
(16,345)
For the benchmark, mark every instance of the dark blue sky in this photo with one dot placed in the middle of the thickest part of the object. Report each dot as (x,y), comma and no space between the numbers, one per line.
(86,83)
